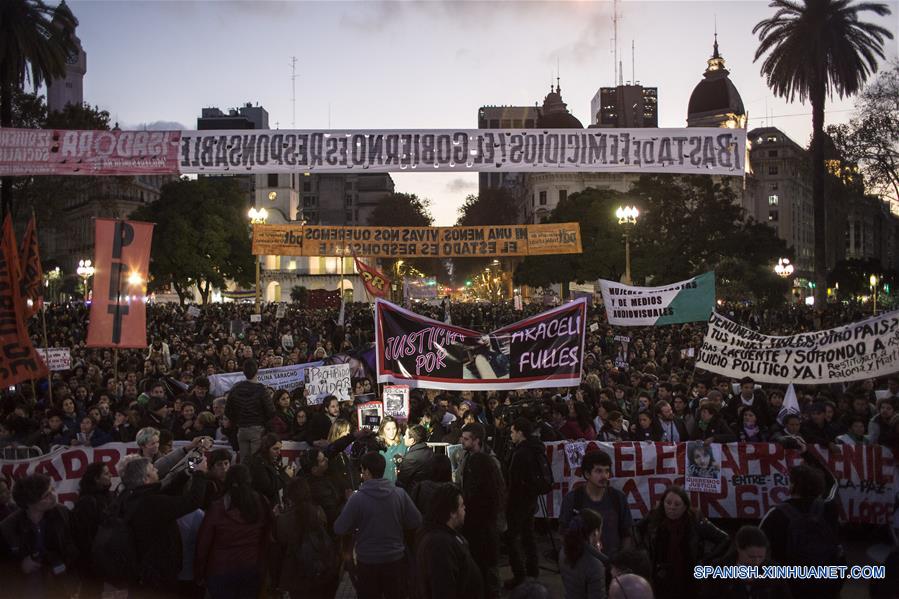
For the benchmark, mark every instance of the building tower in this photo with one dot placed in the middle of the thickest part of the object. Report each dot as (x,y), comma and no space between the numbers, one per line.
(715,102)
(69,89)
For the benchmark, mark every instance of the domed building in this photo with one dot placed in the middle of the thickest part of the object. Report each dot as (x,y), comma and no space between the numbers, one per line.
(715,101)
(554,113)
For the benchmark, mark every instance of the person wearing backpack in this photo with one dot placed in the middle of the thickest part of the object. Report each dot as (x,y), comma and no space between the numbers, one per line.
(233,539)
(526,482)
(803,529)
(599,496)
(310,561)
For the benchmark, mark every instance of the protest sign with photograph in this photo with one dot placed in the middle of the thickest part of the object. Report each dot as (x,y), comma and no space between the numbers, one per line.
(322,381)
(703,467)
(370,415)
(193,311)
(396,401)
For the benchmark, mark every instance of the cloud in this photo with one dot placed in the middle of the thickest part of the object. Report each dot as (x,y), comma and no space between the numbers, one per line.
(372,17)
(460,185)
(592,42)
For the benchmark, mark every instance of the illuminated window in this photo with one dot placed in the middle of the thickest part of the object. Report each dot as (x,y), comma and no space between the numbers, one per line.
(773,200)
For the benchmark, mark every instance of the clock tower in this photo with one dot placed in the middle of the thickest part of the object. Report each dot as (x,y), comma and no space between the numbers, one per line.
(69,89)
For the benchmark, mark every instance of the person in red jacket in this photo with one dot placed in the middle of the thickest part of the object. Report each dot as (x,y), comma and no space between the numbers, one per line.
(232,539)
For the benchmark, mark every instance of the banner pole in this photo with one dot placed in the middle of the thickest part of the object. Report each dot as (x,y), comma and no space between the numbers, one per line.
(115,367)
(47,347)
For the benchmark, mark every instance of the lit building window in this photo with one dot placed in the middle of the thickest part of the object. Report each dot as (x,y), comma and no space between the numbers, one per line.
(773,199)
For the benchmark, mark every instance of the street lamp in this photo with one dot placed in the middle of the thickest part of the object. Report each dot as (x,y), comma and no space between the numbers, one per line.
(874,281)
(783,268)
(258,217)
(627,216)
(85,271)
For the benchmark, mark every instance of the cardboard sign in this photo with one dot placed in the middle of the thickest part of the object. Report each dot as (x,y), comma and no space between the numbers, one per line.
(322,381)
(56,358)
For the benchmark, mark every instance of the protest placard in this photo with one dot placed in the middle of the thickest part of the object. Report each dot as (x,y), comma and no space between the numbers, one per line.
(702,467)
(396,401)
(56,358)
(370,415)
(322,381)
(686,301)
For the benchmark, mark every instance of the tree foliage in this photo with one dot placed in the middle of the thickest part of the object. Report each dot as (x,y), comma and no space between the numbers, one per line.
(814,49)
(871,138)
(491,207)
(201,236)
(405,210)
(687,226)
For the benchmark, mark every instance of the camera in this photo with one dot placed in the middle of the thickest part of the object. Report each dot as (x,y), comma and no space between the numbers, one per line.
(193,461)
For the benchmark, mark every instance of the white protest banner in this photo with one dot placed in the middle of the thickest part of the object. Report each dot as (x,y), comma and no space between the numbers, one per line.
(281,311)
(754,477)
(697,150)
(686,301)
(193,311)
(396,401)
(861,350)
(703,467)
(56,358)
(322,381)
(283,377)
(255,317)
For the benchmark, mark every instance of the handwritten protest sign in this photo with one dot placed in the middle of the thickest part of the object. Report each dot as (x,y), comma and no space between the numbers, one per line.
(322,381)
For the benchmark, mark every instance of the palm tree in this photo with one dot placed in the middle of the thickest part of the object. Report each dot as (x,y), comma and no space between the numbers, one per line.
(35,40)
(818,47)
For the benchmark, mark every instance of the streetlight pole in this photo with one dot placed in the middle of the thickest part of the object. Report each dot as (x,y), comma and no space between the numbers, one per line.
(627,216)
(874,281)
(85,271)
(258,217)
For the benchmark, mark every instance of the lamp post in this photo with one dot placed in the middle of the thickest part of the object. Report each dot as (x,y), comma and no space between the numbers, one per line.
(627,216)
(258,217)
(783,268)
(85,271)
(874,281)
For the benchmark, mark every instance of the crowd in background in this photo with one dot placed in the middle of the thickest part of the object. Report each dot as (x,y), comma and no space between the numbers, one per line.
(234,519)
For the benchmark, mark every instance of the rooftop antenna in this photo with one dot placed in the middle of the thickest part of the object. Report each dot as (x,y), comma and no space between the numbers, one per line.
(329,115)
(620,73)
(633,63)
(293,98)
(615,40)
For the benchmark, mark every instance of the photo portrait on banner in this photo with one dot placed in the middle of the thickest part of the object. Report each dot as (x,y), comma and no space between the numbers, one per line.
(542,351)
(703,467)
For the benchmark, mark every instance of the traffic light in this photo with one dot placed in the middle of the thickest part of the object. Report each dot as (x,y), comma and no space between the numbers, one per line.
(468,283)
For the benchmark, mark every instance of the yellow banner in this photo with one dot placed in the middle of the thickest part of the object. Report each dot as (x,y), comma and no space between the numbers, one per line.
(416,242)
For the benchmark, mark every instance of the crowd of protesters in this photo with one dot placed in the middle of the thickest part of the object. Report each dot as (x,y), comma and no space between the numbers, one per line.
(221,513)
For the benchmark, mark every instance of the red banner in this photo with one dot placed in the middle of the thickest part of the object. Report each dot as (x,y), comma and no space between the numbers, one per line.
(32,275)
(122,261)
(62,152)
(374,280)
(18,360)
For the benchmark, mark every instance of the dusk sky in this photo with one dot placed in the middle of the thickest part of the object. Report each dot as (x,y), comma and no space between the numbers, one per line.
(389,65)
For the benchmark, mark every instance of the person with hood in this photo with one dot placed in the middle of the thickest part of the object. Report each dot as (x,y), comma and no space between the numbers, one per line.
(233,537)
(380,514)
(447,568)
(152,515)
(249,408)
(521,501)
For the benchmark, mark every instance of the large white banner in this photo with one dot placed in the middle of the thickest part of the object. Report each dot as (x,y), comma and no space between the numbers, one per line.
(702,151)
(685,301)
(283,377)
(861,350)
(753,476)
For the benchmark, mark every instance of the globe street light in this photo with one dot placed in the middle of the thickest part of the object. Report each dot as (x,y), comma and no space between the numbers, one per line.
(783,267)
(85,271)
(258,217)
(627,216)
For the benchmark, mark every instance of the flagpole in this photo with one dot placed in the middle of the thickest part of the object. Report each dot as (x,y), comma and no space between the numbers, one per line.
(44,321)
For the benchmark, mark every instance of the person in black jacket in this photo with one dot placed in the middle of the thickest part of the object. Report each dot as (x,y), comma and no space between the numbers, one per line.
(152,516)
(94,499)
(39,538)
(750,549)
(521,502)
(443,557)
(314,464)
(416,464)
(249,408)
(710,427)
(269,476)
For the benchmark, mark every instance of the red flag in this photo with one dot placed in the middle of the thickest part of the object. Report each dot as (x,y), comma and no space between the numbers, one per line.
(32,274)
(122,263)
(374,280)
(18,360)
